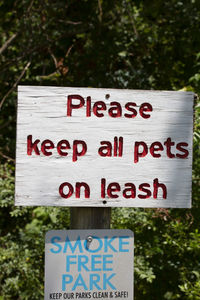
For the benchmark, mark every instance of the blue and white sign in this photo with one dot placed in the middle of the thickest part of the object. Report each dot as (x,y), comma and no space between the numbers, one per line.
(89,264)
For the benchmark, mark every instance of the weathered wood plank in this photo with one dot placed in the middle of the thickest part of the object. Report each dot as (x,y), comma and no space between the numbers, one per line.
(42,114)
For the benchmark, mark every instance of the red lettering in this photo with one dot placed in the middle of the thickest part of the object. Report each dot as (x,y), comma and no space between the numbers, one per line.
(168,143)
(129,106)
(138,154)
(32,146)
(116,111)
(78,189)
(76,146)
(112,188)
(70,190)
(156,186)
(156,146)
(98,106)
(107,148)
(143,188)
(145,107)
(103,188)
(47,144)
(71,106)
(63,145)
(88,107)
(130,191)
(115,146)
(179,147)
(121,146)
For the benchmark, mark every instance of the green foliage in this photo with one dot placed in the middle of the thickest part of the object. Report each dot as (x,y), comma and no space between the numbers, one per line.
(166,252)
(22,242)
(119,44)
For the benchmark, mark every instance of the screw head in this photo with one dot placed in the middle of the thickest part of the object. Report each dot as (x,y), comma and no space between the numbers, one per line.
(89,239)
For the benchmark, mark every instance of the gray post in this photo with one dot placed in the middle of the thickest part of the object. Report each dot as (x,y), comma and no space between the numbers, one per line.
(90,217)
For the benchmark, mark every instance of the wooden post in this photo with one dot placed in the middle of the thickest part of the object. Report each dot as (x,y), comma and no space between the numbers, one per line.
(90,217)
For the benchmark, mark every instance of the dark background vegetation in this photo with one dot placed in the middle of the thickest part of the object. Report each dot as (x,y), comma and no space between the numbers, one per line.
(99,43)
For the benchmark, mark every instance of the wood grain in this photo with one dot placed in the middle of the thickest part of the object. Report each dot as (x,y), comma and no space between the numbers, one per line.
(42,113)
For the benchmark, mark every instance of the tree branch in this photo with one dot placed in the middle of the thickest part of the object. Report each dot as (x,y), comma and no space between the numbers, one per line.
(70,22)
(100,10)
(54,58)
(69,50)
(7,157)
(30,6)
(15,84)
(131,16)
(7,43)
(49,76)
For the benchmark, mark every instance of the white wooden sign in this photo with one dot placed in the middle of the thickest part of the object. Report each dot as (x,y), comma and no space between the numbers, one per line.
(89,264)
(103,147)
